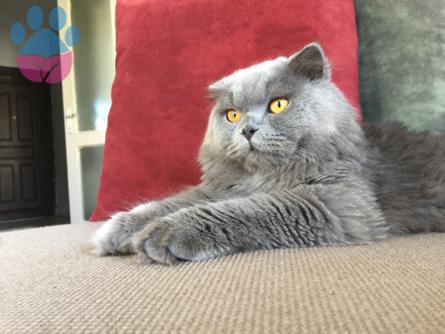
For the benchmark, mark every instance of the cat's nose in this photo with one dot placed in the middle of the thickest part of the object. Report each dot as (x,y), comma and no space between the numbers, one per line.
(248,131)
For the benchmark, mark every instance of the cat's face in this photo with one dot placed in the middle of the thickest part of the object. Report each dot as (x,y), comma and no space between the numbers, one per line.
(262,113)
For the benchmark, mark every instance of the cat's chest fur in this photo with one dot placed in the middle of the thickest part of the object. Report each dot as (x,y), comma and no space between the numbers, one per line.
(237,183)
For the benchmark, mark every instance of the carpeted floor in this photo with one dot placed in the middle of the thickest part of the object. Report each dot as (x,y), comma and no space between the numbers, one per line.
(50,284)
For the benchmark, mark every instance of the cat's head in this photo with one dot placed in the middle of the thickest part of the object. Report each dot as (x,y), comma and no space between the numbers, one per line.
(270,114)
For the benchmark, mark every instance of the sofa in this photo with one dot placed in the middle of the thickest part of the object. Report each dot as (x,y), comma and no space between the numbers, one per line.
(51,282)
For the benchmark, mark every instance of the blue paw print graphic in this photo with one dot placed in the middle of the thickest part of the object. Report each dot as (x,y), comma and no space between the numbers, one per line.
(44,57)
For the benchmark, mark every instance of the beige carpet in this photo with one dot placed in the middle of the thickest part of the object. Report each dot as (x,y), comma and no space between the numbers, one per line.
(49,284)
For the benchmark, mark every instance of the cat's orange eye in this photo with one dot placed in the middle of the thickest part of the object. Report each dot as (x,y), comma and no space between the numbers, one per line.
(233,115)
(278,105)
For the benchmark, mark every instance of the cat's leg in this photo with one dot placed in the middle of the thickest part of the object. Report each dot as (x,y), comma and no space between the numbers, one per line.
(115,235)
(305,216)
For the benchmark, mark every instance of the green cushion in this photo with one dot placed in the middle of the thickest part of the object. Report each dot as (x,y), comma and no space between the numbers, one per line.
(402,62)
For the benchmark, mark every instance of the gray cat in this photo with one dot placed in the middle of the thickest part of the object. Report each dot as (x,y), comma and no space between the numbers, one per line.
(285,164)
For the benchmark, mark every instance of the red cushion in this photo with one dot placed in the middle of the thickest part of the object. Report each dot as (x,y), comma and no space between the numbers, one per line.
(168,52)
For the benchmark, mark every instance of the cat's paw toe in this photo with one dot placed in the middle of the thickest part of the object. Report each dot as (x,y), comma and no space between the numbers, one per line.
(166,242)
(114,236)
(152,243)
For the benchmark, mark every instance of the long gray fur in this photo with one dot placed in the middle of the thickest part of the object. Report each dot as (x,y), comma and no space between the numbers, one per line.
(309,176)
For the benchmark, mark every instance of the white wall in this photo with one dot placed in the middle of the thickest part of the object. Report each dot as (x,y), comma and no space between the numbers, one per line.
(7,52)
(12,11)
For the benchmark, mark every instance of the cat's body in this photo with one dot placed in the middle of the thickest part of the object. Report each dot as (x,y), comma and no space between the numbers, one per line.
(408,172)
(285,164)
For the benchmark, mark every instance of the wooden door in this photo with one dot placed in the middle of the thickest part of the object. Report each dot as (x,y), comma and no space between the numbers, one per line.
(26,157)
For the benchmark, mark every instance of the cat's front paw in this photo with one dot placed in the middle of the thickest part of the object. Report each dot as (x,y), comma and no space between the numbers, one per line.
(166,241)
(115,236)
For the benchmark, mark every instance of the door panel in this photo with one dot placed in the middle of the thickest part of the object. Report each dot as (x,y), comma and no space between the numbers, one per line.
(7,193)
(5,117)
(28,182)
(25,122)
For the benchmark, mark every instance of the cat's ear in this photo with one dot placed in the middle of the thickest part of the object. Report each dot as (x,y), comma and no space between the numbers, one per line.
(216,90)
(310,63)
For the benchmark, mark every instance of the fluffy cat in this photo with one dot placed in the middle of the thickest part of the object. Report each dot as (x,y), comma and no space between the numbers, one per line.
(285,164)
